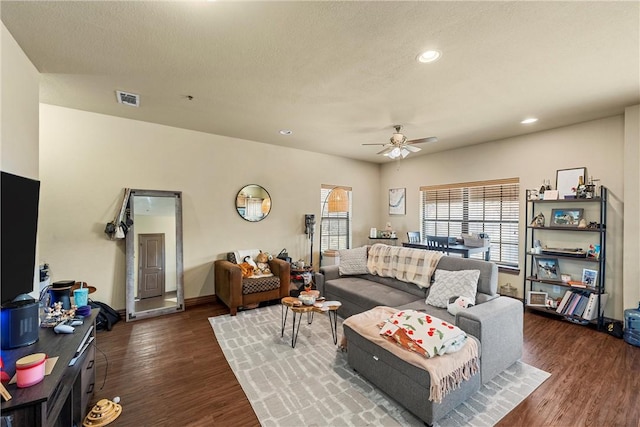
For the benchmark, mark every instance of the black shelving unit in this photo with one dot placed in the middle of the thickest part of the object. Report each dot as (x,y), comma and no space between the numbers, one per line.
(547,234)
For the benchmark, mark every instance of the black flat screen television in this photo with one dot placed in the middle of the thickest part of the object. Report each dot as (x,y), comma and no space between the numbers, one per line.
(19,225)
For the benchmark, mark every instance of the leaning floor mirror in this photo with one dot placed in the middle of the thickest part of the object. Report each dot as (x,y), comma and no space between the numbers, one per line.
(154,271)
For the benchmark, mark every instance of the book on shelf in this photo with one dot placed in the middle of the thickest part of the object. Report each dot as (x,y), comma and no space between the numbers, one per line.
(569,303)
(591,311)
(573,303)
(577,284)
(582,305)
(563,302)
(575,299)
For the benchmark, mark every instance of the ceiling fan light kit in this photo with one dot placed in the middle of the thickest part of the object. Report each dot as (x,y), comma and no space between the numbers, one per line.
(398,146)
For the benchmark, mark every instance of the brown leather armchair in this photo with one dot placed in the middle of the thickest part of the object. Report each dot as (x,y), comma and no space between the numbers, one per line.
(235,292)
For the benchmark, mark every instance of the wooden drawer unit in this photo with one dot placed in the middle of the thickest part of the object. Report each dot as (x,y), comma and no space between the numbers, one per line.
(88,378)
(61,399)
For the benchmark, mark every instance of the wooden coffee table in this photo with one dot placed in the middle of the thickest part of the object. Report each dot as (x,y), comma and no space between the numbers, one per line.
(296,306)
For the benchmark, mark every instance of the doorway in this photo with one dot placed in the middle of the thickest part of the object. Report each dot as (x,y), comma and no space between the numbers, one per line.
(151,266)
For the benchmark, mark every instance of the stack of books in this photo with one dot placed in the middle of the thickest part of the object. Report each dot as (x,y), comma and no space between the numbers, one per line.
(581,304)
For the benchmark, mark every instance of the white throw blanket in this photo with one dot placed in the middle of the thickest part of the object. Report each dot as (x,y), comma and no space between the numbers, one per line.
(446,372)
(406,264)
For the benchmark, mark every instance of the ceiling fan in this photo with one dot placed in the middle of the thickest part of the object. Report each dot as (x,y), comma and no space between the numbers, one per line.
(398,146)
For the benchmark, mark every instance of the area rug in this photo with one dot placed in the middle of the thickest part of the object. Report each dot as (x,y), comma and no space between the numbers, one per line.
(312,384)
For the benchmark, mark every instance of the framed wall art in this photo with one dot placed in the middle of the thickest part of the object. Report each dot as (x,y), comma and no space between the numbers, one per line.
(567,179)
(397,201)
(566,217)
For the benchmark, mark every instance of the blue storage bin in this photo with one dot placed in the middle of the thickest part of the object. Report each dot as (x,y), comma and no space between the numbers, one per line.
(632,326)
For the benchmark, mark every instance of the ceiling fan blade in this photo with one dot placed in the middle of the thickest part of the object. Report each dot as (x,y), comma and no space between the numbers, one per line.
(386,150)
(412,148)
(422,140)
(377,143)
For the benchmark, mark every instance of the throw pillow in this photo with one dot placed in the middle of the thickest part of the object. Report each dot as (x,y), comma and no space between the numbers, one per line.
(448,284)
(250,261)
(353,261)
(457,304)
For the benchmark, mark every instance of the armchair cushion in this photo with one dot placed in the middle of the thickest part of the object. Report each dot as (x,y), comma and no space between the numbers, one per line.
(252,285)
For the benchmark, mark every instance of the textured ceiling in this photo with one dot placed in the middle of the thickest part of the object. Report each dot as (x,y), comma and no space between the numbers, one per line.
(338,74)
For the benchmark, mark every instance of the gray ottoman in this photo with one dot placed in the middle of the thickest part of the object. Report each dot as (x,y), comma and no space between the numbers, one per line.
(406,383)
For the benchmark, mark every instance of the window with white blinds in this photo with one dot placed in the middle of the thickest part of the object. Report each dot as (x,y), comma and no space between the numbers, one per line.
(490,207)
(335,227)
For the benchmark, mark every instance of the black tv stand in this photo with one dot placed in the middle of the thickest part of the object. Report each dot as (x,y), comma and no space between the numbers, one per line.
(63,397)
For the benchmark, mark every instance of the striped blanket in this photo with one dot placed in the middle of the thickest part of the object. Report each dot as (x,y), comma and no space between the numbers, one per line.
(406,264)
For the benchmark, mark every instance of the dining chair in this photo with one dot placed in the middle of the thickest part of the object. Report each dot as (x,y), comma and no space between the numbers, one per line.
(438,243)
(414,236)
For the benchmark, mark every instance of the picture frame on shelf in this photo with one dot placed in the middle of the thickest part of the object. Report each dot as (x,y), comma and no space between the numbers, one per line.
(566,217)
(537,299)
(589,277)
(548,268)
(593,252)
(397,204)
(568,179)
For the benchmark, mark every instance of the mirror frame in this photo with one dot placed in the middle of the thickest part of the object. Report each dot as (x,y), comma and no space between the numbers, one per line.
(131,268)
(238,196)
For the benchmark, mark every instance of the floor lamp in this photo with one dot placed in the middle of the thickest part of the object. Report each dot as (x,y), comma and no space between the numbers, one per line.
(336,201)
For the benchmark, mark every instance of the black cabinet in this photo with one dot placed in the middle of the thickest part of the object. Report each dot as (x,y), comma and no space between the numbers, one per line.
(62,398)
(567,247)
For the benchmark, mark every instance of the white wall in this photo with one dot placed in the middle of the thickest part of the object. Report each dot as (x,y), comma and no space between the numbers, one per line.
(631,278)
(86,159)
(598,145)
(19,94)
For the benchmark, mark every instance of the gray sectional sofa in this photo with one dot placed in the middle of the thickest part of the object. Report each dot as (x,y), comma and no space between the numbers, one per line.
(496,322)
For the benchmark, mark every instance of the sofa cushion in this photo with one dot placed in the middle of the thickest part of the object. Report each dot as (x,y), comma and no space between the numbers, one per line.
(448,284)
(353,261)
(365,293)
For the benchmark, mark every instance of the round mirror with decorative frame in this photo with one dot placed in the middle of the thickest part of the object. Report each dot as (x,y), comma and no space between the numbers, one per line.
(253,203)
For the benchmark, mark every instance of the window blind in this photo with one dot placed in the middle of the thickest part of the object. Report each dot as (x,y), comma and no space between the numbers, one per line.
(490,207)
(335,230)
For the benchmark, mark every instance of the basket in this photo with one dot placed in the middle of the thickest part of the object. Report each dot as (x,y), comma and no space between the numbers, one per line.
(508,290)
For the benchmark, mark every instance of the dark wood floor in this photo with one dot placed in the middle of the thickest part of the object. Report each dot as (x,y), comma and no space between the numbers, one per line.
(170,371)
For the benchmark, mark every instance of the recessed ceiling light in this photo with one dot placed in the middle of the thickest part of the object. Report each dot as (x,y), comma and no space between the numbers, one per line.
(529,121)
(285,132)
(428,56)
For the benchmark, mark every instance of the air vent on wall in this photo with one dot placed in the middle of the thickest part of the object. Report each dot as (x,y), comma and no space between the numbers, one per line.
(128,98)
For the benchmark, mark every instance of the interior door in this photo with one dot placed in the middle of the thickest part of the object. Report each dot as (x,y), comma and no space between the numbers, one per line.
(151,267)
